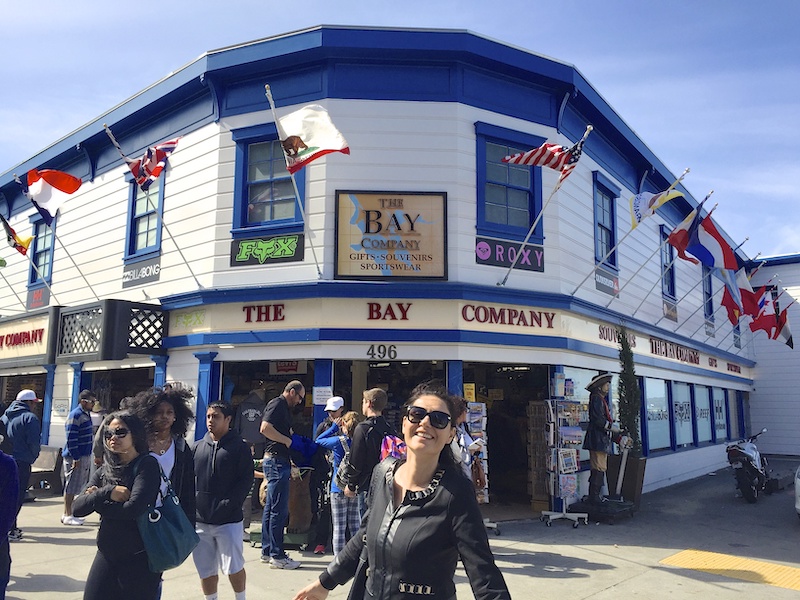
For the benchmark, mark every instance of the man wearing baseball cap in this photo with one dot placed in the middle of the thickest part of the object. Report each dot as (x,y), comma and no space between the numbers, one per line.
(25,431)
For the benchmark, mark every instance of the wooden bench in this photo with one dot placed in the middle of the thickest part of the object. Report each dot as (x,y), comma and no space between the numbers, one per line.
(46,472)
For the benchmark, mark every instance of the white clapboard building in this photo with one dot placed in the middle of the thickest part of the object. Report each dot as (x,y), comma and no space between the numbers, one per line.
(393,265)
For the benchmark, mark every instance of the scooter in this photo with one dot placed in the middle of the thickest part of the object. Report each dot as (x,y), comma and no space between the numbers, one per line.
(749,467)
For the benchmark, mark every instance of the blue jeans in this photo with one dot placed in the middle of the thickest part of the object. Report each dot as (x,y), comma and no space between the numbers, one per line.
(276,509)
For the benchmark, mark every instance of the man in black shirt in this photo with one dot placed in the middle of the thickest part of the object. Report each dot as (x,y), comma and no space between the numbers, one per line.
(365,450)
(276,426)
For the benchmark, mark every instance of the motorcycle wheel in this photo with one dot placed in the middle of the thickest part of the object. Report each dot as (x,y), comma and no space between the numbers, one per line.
(745,485)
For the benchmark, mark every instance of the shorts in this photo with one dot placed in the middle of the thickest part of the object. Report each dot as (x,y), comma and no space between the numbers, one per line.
(220,549)
(76,479)
(598,460)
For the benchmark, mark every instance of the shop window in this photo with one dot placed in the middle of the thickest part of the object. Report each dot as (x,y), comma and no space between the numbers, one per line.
(265,200)
(145,211)
(702,412)
(509,196)
(708,294)
(733,415)
(655,397)
(41,253)
(605,220)
(667,266)
(682,414)
(720,414)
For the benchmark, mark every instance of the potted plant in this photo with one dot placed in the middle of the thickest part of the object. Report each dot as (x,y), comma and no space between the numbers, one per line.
(630,405)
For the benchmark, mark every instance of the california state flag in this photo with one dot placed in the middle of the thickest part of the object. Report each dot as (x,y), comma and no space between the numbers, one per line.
(307,134)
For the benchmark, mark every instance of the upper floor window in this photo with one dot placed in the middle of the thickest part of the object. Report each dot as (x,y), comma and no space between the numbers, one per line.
(708,294)
(509,196)
(41,252)
(144,219)
(264,195)
(667,266)
(605,222)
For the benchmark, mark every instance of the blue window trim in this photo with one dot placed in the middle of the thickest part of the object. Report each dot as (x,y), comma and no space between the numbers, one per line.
(243,137)
(131,255)
(605,185)
(485,132)
(664,233)
(34,282)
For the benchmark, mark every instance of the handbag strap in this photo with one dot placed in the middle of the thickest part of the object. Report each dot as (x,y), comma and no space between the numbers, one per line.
(345,446)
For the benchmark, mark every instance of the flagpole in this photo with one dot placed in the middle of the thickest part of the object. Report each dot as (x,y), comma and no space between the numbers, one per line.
(672,262)
(306,227)
(633,277)
(624,237)
(538,218)
(24,306)
(154,209)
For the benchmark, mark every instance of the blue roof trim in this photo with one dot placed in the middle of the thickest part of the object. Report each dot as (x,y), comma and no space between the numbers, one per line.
(538,342)
(435,291)
(365,63)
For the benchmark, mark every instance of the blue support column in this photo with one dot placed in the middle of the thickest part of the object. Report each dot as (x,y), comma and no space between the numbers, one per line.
(454,370)
(77,374)
(323,377)
(47,408)
(160,375)
(206,392)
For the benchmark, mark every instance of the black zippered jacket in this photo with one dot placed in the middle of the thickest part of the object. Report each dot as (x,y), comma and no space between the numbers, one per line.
(224,476)
(365,451)
(412,549)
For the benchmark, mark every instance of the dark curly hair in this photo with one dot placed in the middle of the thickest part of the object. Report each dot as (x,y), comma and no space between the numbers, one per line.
(113,467)
(435,387)
(145,404)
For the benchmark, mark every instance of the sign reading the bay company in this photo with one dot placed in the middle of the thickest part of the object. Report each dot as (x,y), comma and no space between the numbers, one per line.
(388,235)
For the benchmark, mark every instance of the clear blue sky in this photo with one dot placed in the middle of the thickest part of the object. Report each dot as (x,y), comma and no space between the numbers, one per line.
(713,85)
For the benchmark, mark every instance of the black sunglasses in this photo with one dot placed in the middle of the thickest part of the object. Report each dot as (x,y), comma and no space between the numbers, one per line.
(120,432)
(438,419)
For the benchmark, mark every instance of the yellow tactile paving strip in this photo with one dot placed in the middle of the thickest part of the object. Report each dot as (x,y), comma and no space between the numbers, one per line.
(735,567)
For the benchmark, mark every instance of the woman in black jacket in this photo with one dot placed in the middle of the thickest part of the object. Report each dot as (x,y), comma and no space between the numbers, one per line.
(423,517)
(167,416)
(120,491)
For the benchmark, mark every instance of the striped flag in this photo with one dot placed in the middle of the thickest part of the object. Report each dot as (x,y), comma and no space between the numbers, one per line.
(48,189)
(710,248)
(553,156)
(783,332)
(17,243)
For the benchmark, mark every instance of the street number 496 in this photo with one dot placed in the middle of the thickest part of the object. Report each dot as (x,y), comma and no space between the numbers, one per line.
(382,351)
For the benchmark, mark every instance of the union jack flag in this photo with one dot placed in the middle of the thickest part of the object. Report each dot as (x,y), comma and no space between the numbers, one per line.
(147,169)
(553,156)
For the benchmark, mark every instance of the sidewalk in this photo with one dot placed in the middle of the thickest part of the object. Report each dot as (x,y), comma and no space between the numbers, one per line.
(595,561)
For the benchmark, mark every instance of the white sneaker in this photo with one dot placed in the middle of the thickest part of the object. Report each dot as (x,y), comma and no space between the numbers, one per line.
(283,563)
(70,520)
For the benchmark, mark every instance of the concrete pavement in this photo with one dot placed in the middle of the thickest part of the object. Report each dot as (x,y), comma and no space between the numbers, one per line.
(596,561)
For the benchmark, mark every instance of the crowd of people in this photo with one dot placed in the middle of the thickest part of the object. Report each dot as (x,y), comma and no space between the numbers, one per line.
(397,526)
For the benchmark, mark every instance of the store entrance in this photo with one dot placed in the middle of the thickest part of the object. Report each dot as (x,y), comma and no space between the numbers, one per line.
(113,385)
(507,390)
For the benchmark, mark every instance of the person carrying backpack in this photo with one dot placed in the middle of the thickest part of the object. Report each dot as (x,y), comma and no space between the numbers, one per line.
(365,451)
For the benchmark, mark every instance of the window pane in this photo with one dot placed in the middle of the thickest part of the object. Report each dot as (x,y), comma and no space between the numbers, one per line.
(682,408)
(720,417)
(518,218)
(496,152)
(497,173)
(283,189)
(518,199)
(496,214)
(702,409)
(283,209)
(520,177)
(733,409)
(657,413)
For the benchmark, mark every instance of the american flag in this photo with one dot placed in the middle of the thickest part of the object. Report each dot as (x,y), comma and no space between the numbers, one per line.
(553,156)
(147,169)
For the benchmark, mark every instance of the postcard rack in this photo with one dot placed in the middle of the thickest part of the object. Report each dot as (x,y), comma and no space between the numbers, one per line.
(564,437)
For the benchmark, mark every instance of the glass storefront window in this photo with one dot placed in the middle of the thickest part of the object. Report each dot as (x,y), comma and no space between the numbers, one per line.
(733,405)
(682,409)
(720,419)
(702,412)
(655,393)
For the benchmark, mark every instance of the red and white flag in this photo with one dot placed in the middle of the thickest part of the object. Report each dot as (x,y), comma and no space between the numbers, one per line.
(48,189)
(307,134)
(553,156)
